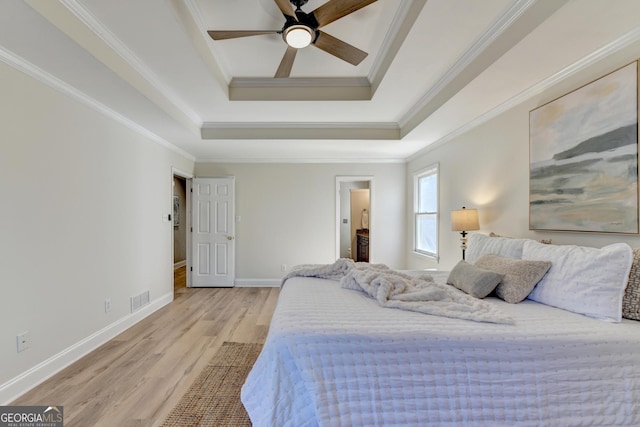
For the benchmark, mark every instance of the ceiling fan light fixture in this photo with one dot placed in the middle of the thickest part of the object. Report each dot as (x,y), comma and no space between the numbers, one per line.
(298,36)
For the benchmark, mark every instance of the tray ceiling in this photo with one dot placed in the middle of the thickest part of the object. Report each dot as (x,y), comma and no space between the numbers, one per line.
(434,68)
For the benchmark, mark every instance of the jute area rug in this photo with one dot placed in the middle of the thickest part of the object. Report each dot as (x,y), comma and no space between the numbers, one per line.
(214,397)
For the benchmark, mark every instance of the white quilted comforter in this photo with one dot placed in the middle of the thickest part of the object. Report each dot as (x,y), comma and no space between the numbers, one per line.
(333,357)
(395,289)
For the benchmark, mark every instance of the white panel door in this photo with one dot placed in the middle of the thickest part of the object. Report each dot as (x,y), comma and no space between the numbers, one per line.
(213,232)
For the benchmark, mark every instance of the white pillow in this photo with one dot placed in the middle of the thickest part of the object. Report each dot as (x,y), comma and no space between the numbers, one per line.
(584,280)
(480,244)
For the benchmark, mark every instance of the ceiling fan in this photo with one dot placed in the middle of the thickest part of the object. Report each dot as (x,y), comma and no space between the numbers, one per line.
(303,29)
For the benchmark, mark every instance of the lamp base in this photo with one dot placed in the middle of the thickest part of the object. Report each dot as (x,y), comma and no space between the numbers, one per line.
(463,241)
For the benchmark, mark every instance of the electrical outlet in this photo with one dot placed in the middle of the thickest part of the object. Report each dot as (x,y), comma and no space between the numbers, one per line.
(22,341)
(107,305)
(283,267)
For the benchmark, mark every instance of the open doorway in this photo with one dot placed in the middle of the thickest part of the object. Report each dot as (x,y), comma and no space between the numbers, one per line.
(181,207)
(359,233)
(354,219)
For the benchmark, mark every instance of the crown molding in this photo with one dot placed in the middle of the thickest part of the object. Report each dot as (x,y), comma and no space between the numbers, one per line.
(207,49)
(300,89)
(485,40)
(587,61)
(304,160)
(290,82)
(403,21)
(300,125)
(300,130)
(316,89)
(396,27)
(135,63)
(55,83)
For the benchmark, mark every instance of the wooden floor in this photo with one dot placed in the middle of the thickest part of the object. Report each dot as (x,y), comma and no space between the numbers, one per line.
(179,278)
(136,378)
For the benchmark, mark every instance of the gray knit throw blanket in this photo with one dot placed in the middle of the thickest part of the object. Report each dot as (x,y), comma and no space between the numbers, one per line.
(395,289)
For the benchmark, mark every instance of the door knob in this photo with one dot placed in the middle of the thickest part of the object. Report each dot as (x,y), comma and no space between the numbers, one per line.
(229,237)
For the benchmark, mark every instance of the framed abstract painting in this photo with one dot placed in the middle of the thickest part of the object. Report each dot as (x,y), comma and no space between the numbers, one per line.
(583,158)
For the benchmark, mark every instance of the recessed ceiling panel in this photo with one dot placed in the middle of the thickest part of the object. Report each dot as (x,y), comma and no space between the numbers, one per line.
(150,65)
(259,56)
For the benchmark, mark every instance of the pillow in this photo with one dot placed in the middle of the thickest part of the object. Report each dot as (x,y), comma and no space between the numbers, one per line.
(473,280)
(545,241)
(520,276)
(480,244)
(584,280)
(631,297)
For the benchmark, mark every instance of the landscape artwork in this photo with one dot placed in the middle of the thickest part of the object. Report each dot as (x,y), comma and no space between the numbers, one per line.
(583,171)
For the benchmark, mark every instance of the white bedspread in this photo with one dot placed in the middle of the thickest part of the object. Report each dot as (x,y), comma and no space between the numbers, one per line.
(333,357)
(399,290)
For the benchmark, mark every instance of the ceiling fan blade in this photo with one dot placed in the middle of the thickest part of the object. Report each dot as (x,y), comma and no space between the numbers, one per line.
(234,34)
(286,8)
(340,49)
(284,70)
(336,9)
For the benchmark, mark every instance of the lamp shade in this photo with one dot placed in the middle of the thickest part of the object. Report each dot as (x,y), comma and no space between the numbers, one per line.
(464,220)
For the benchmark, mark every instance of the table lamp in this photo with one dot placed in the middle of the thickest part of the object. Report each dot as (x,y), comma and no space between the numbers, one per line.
(464,220)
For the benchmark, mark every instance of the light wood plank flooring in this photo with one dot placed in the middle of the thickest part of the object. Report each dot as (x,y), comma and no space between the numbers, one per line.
(136,378)
(179,278)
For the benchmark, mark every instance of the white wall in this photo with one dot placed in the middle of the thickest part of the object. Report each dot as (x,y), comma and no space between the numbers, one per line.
(488,168)
(288,213)
(81,221)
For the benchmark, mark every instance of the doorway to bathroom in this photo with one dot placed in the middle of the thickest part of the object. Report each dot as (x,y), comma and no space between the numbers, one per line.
(354,217)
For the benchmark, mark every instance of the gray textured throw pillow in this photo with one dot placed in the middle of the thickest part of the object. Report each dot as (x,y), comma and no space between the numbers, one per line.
(519,276)
(631,298)
(473,280)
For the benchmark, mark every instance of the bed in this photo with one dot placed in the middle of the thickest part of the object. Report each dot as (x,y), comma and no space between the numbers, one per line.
(335,357)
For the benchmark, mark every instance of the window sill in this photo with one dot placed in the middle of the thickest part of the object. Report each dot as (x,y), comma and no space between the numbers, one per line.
(427,256)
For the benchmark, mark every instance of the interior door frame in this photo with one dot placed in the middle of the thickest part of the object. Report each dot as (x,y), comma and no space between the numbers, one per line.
(338,219)
(188,177)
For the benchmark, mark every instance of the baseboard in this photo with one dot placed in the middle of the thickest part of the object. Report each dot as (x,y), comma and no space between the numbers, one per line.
(24,382)
(179,264)
(258,283)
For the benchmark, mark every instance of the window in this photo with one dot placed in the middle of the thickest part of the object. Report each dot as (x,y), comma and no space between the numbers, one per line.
(425,208)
